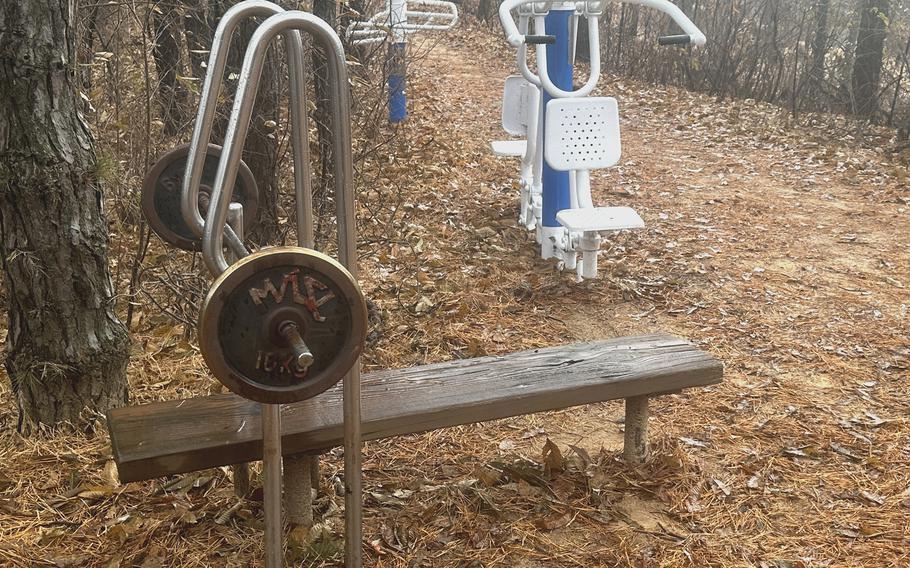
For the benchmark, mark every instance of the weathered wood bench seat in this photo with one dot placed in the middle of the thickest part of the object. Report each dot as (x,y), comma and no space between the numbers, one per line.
(165,438)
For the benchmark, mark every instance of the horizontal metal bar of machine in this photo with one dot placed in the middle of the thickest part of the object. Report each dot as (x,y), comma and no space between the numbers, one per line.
(172,437)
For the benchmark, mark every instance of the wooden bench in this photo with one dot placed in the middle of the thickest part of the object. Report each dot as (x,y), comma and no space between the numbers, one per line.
(165,438)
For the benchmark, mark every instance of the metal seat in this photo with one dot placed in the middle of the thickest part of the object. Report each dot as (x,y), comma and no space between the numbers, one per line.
(518,103)
(582,134)
(509,148)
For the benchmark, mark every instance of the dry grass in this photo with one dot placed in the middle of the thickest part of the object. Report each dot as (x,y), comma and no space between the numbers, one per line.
(780,248)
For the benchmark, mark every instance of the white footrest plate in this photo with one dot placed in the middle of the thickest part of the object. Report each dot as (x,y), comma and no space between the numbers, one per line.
(509,148)
(600,219)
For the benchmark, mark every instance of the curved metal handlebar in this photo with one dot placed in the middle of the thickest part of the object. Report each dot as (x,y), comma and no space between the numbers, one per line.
(378,27)
(239,122)
(516,38)
(593,78)
(213,253)
(513,35)
(530,76)
(517,35)
(696,37)
(205,118)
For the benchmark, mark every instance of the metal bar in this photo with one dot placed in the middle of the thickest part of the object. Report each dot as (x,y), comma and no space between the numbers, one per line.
(213,253)
(271,486)
(205,116)
(347,253)
(239,121)
(302,354)
(300,143)
(241,471)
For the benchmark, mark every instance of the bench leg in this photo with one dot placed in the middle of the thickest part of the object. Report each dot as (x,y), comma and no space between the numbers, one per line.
(314,475)
(635,448)
(301,473)
(241,478)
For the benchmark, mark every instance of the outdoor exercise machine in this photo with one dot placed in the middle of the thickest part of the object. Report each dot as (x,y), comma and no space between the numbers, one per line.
(284,325)
(392,25)
(178,188)
(567,132)
(288,342)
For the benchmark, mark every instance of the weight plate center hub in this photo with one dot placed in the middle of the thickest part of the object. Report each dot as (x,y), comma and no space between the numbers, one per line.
(283,325)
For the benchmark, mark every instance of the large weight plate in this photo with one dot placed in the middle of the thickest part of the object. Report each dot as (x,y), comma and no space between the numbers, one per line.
(243,312)
(163,185)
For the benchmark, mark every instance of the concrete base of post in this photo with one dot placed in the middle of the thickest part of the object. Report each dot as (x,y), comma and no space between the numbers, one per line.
(241,478)
(301,475)
(635,447)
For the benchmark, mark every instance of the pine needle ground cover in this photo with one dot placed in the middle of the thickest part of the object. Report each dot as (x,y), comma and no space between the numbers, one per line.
(780,246)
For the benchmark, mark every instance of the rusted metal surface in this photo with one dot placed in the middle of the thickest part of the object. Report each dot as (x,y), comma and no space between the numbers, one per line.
(256,308)
(271,485)
(162,193)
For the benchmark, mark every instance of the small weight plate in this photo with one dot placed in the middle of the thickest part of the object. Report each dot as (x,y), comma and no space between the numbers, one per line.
(163,185)
(241,319)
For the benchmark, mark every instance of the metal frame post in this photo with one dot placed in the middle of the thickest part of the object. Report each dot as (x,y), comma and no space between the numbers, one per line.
(213,234)
(205,119)
(397,61)
(556,191)
(271,485)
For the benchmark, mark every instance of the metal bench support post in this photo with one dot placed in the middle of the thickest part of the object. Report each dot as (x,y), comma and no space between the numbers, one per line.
(271,486)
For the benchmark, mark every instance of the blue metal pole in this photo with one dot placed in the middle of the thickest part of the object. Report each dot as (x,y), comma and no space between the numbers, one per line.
(559,67)
(398,108)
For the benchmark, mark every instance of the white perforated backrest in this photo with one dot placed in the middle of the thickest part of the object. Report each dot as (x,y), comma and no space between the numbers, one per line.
(516,105)
(582,133)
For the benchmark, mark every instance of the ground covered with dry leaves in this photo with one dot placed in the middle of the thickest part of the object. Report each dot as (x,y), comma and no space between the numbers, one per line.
(779,246)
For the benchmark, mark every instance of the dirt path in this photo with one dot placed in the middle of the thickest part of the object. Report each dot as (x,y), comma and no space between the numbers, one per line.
(778,250)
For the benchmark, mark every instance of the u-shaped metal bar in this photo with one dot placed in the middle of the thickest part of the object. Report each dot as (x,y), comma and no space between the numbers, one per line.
(213,253)
(530,76)
(205,119)
(239,122)
(594,55)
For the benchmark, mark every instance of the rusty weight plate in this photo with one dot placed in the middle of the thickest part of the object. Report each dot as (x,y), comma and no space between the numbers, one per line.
(241,319)
(163,185)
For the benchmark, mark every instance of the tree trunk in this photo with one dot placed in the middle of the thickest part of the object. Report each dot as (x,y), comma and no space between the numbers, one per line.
(66,350)
(172,95)
(820,44)
(870,48)
(897,86)
(198,33)
(322,190)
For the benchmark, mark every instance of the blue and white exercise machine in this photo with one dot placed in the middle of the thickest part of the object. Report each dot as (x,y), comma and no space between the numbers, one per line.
(393,25)
(567,132)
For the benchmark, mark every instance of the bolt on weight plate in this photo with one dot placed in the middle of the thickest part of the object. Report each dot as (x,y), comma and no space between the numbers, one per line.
(283,325)
(163,186)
